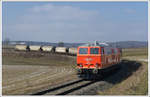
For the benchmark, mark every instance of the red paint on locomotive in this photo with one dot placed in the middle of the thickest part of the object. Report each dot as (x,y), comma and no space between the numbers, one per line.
(97,57)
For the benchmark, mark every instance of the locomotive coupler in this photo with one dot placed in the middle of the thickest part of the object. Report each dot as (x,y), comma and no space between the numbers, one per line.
(95,71)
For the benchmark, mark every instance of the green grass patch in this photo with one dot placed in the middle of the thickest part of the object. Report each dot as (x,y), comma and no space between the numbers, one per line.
(135,52)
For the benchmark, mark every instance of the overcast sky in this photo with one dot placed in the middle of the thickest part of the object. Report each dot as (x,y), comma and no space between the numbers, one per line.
(75,21)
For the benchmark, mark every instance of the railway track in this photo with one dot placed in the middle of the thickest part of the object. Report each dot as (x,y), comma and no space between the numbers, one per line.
(76,85)
(66,88)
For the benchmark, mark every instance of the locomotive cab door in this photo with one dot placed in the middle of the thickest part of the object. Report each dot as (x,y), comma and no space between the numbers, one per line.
(102,56)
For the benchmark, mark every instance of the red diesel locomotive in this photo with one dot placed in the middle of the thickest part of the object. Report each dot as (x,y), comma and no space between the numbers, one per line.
(94,58)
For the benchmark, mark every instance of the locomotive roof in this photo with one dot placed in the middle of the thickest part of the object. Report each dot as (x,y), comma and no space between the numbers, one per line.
(95,45)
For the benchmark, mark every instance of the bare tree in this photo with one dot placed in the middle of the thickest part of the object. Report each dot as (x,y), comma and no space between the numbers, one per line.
(61,44)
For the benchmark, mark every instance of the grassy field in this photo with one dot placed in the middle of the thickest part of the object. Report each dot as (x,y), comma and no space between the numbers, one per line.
(35,58)
(135,52)
(137,83)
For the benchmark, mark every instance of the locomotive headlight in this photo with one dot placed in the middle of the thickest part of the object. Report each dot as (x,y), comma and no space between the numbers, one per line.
(80,65)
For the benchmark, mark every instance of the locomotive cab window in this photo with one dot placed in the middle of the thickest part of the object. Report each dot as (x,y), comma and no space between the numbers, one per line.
(94,50)
(83,50)
(102,51)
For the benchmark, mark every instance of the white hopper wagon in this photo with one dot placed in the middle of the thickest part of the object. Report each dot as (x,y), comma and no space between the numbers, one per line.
(21,47)
(72,50)
(35,48)
(48,48)
(61,50)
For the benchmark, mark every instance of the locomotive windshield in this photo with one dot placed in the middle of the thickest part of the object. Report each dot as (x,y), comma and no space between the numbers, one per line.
(83,50)
(94,50)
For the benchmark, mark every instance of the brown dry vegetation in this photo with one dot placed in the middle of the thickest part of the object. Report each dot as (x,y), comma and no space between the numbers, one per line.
(36,58)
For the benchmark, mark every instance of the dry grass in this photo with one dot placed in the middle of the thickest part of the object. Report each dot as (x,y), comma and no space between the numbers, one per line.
(36,58)
(136,84)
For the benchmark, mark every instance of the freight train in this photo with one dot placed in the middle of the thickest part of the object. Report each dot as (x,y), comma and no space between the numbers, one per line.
(97,58)
(48,49)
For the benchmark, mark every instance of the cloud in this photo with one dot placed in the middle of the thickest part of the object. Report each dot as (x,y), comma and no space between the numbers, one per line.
(55,23)
(129,11)
(61,13)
